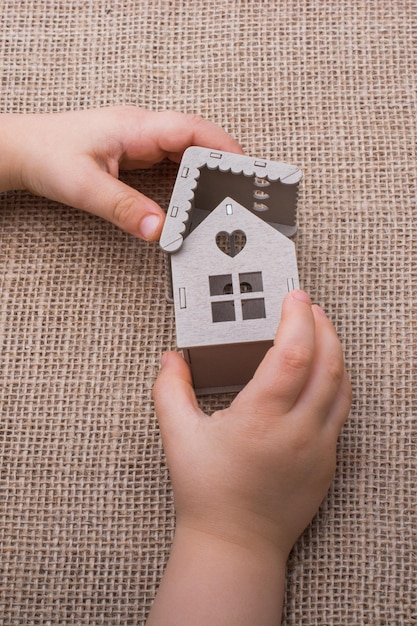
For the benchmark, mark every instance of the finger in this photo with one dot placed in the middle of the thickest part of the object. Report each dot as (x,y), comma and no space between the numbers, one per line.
(286,367)
(169,133)
(173,393)
(328,374)
(102,194)
(199,132)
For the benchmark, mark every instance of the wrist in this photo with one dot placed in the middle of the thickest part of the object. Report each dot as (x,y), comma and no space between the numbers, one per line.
(241,543)
(211,579)
(260,531)
(12,130)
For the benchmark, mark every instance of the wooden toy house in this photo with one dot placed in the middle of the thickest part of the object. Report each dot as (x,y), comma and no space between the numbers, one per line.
(231,261)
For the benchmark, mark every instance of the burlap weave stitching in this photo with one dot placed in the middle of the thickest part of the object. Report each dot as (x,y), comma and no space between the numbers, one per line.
(86,514)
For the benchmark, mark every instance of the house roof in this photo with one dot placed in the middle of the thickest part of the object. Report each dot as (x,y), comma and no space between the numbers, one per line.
(267,188)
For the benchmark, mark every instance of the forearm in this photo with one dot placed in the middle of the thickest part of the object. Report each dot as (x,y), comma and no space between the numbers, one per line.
(212,581)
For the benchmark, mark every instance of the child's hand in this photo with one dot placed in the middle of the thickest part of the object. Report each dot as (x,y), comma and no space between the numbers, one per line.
(259,470)
(75,157)
(248,480)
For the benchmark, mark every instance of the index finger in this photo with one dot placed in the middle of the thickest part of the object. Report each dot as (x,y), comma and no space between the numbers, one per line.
(194,130)
(286,367)
(170,133)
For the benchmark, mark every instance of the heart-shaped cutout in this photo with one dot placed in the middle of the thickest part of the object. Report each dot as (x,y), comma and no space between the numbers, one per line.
(231,243)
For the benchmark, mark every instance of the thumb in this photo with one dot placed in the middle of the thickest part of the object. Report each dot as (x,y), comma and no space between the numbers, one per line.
(102,194)
(175,400)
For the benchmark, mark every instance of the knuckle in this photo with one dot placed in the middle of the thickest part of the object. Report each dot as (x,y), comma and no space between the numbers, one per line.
(195,119)
(297,357)
(316,455)
(123,208)
(335,369)
(302,442)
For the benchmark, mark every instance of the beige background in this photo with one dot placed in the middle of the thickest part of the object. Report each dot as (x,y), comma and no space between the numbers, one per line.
(86,509)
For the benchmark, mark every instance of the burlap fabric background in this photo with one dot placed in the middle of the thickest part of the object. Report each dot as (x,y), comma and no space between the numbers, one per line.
(86,509)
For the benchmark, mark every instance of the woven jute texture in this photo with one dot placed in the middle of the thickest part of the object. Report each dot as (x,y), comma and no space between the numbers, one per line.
(86,515)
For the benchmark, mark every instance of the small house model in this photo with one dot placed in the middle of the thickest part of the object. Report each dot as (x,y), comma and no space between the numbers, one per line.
(231,261)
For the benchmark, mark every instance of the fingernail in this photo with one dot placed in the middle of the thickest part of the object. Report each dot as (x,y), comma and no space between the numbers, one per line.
(298,294)
(149,226)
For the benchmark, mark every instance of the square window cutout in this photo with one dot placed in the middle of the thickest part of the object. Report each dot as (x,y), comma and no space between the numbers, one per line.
(253,309)
(221,284)
(250,281)
(223,311)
